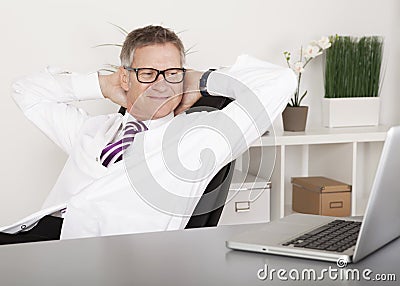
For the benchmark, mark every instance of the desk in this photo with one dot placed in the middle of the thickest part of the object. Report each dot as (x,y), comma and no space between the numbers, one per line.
(189,257)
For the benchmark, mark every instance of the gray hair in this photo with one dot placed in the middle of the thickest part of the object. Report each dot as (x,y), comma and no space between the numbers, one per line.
(146,36)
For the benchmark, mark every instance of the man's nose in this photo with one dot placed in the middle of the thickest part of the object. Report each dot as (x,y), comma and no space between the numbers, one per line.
(160,84)
(160,77)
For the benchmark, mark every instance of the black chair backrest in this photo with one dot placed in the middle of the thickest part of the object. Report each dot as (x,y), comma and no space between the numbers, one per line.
(209,208)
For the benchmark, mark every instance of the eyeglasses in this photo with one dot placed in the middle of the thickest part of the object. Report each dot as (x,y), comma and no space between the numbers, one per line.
(149,75)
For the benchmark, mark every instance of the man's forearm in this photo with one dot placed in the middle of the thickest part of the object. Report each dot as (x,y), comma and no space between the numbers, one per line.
(252,82)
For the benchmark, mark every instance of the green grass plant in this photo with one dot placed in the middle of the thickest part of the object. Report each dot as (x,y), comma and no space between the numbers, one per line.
(353,67)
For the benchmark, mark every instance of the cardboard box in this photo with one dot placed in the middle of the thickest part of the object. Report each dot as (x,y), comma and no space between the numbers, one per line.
(321,196)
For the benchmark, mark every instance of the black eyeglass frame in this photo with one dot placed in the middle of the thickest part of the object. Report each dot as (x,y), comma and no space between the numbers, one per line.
(136,70)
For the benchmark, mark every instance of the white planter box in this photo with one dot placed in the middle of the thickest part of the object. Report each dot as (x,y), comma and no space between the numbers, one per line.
(345,112)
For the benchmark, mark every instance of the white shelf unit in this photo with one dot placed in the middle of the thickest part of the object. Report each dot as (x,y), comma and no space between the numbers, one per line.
(350,155)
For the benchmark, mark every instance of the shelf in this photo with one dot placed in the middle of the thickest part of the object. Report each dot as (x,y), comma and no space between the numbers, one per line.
(325,136)
(289,210)
(350,155)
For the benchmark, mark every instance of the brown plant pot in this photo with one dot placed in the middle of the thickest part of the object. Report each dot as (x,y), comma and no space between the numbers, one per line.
(295,118)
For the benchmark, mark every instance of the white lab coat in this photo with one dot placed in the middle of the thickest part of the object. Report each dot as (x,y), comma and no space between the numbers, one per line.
(128,196)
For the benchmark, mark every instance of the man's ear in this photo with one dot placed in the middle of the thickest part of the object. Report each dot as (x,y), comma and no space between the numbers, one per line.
(124,78)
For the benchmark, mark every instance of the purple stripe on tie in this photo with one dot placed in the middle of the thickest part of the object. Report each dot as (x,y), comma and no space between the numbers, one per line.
(113,152)
(118,159)
(128,137)
(143,125)
(116,152)
(139,127)
(131,131)
(116,144)
(111,155)
(110,146)
(133,124)
(130,128)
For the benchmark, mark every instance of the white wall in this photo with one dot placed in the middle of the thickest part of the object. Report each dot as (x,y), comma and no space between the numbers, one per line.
(62,33)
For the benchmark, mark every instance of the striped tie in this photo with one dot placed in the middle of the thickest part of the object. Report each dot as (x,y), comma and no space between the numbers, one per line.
(112,153)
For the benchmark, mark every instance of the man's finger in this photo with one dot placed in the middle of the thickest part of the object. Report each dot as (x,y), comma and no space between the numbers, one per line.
(181,108)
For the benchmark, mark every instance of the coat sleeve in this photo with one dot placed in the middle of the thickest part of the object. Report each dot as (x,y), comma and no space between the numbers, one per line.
(261,91)
(45,99)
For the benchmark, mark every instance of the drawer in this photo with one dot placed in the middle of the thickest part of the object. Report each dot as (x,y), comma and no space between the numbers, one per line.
(246,206)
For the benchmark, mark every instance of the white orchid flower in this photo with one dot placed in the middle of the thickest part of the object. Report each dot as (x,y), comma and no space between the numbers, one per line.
(298,67)
(324,43)
(312,51)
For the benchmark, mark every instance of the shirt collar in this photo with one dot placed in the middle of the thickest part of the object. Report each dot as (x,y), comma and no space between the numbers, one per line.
(151,124)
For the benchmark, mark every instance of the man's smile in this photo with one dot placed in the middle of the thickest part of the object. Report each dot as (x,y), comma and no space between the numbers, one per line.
(159,97)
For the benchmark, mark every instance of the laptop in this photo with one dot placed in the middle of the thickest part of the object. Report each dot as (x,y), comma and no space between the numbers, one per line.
(334,239)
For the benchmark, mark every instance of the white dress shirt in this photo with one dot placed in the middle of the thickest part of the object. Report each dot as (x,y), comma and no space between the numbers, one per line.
(163,174)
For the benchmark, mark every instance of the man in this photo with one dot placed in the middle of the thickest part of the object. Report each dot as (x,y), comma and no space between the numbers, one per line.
(146,171)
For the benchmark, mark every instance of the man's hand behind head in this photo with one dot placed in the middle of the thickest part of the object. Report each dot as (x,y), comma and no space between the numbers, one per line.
(110,86)
(191,92)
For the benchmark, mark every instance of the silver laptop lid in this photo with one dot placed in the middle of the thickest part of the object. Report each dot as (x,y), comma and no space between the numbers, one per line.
(381,222)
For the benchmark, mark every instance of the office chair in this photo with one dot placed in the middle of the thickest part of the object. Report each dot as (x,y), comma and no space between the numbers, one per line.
(209,208)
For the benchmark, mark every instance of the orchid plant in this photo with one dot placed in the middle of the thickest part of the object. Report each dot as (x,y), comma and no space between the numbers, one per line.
(313,50)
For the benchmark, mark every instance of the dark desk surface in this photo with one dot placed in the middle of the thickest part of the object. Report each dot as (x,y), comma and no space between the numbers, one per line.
(189,257)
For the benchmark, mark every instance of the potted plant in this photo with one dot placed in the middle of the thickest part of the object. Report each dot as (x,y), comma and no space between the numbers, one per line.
(352,81)
(294,116)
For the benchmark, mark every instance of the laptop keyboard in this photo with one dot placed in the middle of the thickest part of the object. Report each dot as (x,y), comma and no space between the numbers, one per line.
(337,235)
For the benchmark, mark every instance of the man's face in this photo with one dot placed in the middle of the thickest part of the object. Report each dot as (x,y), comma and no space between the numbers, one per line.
(157,99)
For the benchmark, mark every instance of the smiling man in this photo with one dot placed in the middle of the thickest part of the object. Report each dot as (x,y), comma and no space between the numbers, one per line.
(145,170)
